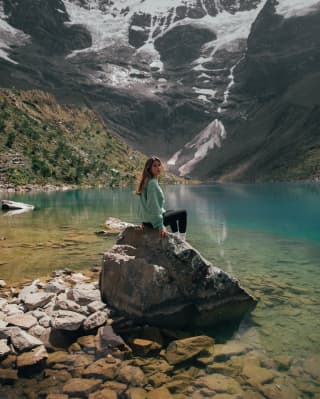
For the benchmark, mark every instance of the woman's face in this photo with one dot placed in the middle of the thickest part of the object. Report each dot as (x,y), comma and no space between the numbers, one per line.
(156,168)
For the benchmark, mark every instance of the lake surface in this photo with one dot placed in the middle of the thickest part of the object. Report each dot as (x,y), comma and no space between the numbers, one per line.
(266,235)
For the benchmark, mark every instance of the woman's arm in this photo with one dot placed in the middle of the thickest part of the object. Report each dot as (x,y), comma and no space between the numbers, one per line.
(155,204)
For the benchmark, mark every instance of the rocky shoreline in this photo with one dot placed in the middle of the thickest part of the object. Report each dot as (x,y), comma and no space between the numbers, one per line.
(58,340)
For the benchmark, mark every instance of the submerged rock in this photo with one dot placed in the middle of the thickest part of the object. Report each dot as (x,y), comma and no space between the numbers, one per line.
(168,283)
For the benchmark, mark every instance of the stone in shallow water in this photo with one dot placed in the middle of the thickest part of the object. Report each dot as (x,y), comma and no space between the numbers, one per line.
(256,375)
(143,346)
(24,321)
(232,348)
(104,394)
(219,383)
(8,375)
(180,350)
(33,357)
(67,320)
(101,370)
(160,393)
(81,387)
(131,375)
(312,366)
(136,393)
(60,357)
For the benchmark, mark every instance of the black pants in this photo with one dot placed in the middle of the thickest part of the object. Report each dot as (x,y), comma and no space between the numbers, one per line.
(177,220)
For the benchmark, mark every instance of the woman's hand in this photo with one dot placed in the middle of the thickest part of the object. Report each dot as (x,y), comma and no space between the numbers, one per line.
(163,233)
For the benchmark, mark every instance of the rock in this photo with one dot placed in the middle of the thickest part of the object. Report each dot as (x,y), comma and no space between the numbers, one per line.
(168,283)
(80,387)
(29,289)
(45,321)
(116,224)
(104,394)
(33,357)
(9,362)
(67,304)
(84,294)
(143,346)
(54,286)
(38,313)
(95,306)
(8,375)
(160,393)
(57,396)
(13,309)
(232,348)
(78,278)
(180,350)
(115,386)
(107,340)
(4,348)
(6,204)
(219,383)
(256,375)
(95,320)
(20,339)
(312,366)
(2,284)
(24,321)
(283,362)
(60,357)
(101,370)
(3,324)
(136,393)
(131,375)
(37,300)
(87,343)
(67,320)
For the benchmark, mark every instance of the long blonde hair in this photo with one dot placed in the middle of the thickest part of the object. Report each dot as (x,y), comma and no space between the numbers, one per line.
(146,174)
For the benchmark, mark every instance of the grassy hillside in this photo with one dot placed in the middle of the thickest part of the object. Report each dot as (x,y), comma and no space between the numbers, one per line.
(43,142)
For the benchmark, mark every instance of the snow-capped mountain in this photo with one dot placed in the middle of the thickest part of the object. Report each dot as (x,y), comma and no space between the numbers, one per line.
(173,77)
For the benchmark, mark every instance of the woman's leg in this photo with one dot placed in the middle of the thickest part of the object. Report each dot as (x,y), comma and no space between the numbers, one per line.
(176,219)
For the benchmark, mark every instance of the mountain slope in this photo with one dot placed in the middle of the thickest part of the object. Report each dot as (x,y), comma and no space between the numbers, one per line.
(221,89)
(277,136)
(44,142)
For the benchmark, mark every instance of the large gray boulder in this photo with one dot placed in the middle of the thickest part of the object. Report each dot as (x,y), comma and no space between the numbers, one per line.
(168,283)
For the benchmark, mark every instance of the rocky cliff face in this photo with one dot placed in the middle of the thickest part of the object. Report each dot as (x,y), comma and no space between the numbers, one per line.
(180,78)
(277,95)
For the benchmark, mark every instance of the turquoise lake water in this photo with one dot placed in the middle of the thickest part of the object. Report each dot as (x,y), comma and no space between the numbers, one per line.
(266,235)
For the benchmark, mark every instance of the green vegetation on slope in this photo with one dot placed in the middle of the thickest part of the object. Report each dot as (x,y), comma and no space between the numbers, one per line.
(43,142)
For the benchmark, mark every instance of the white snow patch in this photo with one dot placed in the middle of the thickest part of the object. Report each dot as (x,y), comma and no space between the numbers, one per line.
(207,92)
(203,98)
(206,140)
(172,161)
(230,29)
(137,28)
(297,8)
(60,11)
(9,36)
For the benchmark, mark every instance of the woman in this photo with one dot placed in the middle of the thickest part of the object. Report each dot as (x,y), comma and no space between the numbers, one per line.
(151,209)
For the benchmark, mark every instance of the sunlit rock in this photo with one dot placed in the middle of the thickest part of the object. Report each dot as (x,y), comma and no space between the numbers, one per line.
(168,283)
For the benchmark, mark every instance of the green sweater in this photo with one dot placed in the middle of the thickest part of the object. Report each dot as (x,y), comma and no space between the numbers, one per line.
(151,204)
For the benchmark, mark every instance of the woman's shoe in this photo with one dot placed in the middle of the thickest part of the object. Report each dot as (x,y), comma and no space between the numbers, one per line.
(182,236)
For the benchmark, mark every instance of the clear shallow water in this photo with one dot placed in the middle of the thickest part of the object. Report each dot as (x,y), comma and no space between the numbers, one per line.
(267,235)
